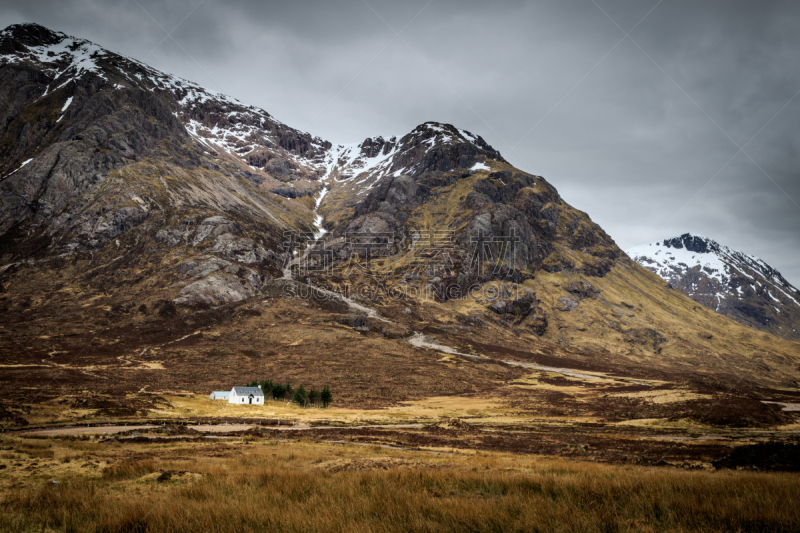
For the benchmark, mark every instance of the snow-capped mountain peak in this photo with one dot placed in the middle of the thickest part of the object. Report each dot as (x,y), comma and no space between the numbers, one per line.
(429,146)
(74,71)
(733,283)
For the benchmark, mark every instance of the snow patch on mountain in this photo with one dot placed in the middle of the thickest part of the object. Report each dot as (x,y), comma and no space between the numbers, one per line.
(230,125)
(81,57)
(318,219)
(371,160)
(352,161)
(66,104)
(662,258)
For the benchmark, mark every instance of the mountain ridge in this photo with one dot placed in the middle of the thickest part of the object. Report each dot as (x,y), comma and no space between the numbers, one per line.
(290,161)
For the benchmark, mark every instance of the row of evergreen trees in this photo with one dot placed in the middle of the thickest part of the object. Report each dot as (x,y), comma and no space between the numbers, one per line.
(300,396)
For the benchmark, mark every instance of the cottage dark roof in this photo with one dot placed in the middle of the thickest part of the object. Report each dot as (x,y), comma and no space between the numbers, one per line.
(247,391)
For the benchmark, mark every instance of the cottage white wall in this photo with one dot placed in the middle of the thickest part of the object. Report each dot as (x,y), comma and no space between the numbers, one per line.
(244,400)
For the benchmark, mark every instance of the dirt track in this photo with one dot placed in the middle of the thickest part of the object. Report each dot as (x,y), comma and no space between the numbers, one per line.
(204,428)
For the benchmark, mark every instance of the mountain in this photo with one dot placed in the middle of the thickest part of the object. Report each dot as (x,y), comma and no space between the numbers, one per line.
(734,284)
(95,144)
(156,233)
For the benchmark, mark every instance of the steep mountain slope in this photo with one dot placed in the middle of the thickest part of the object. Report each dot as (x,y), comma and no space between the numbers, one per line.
(735,284)
(155,231)
(94,145)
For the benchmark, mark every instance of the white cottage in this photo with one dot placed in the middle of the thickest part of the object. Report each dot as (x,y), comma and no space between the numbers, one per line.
(220,395)
(246,396)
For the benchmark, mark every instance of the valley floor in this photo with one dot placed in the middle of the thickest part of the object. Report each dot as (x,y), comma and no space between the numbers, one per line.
(449,463)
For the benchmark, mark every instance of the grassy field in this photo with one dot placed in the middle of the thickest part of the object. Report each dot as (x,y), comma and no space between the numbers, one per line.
(255,484)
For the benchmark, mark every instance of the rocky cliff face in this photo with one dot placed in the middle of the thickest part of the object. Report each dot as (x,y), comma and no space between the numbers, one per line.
(493,221)
(99,152)
(735,284)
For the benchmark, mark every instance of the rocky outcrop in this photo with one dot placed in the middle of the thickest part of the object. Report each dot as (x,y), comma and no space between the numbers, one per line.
(215,289)
(242,250)
(692,243)
(279,168)
(214,280)
(520,306)
(568,304)
(290,192)
(212,227)
(363,323)
(645,337)
(373,147)
(582,289)
(192,269)
(539,322)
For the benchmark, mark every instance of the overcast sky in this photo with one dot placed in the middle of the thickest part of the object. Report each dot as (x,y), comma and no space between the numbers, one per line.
(688,123)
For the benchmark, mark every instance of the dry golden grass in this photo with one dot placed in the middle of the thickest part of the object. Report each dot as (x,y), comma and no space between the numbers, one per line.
(255,485)
(695,336)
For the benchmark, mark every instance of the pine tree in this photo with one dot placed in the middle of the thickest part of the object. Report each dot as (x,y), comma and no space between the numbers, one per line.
(266,386)
(313,396)
(278,391)
(325,396)
(300,396)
